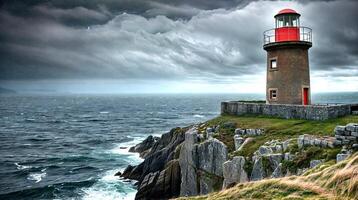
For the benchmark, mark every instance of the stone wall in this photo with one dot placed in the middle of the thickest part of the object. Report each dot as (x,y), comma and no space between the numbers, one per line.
(287,111)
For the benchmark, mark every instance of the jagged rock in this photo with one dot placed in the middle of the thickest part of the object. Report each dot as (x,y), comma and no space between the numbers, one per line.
(314,163)
(288,156)
(201,164)
(209,133)
(144,147)
(217,128)
(157,158)
(277,173)
(188,163)
(355,147)
(342,156)
(146,185)
(258,171)
(339,130)
(286,144)
(238,141)
(211,155)
(300,141)
(275,160)
(233,171)
(353,127)
(127,171)
(264,150)
(167,184)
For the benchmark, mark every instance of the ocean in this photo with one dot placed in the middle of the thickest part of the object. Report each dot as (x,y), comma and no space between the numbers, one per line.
(70,146)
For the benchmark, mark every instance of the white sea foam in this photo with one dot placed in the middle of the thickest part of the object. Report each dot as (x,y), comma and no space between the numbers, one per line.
(37,177)
(107,188)
(199,116)
(20,167)
(123,148)
(103,112)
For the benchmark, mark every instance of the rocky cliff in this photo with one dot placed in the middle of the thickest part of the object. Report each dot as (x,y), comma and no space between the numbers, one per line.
(209,157)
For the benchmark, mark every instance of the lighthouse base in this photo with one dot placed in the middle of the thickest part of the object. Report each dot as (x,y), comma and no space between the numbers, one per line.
(289,111)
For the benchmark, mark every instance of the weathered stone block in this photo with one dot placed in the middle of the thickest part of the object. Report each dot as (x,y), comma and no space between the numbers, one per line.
(355,134)
(314,163)
(352,127)
(339,130)
(238,141)
(234,171)
(342,156)
(317,142)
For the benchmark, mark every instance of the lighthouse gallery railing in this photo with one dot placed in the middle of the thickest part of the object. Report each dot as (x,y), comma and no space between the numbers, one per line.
(272,35)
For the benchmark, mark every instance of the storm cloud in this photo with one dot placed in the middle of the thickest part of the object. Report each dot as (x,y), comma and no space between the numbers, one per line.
(217,41)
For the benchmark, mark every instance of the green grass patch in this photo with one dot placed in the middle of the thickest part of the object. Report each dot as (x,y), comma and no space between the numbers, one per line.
(275,128)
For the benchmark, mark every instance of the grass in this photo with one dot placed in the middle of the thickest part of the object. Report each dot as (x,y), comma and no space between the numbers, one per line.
(329,181)
(275,128)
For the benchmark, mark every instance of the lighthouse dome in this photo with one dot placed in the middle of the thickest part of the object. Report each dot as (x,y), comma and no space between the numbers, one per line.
(286,11)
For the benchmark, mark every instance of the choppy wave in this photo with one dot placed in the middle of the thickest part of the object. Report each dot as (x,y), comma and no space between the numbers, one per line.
(37,177)
(21,167)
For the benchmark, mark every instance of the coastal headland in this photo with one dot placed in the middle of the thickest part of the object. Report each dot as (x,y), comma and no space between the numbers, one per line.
(250,157)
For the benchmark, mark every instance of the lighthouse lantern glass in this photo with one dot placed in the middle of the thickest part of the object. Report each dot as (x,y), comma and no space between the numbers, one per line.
(287,21)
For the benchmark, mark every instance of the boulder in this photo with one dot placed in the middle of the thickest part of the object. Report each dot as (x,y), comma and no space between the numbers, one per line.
(258,171)
(233,171)
(238,141)
(209,132)
(211,154)
(275,160)
(314,163)
(342,156)
(352,127)
(277,173)
(339,130)
(264,150)
(288,156)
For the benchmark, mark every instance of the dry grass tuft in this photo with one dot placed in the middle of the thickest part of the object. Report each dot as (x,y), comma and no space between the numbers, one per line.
(339,181)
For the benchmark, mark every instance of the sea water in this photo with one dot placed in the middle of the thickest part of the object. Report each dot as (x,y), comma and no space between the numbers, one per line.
(70,146)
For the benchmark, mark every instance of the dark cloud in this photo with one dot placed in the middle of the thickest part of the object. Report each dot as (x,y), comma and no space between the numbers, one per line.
(157,39)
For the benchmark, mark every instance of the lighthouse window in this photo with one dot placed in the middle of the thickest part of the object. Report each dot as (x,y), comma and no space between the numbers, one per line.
(273,64)
(273,93)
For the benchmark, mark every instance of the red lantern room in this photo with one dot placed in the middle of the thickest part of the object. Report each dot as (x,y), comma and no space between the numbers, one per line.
(287,26)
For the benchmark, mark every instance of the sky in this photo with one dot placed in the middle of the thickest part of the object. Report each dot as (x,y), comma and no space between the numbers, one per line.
(160,46)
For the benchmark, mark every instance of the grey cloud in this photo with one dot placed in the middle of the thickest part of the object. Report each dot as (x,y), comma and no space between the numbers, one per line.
(210,45)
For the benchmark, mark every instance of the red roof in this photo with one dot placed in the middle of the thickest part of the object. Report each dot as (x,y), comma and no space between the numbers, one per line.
(287,11)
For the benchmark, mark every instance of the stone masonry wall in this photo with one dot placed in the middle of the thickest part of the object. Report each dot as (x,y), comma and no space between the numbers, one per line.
(287,111)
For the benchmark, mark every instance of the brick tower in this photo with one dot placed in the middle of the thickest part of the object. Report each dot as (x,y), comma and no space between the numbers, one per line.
(288,77)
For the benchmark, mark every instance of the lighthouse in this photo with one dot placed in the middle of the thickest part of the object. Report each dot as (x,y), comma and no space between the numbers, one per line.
(288,76)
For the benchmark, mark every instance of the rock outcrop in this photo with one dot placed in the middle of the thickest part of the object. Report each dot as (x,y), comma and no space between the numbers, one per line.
(159,173)
(201,164)
(145,146)
(233,171)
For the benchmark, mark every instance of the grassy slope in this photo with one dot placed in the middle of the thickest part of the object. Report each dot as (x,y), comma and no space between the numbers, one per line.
(276,129)
(318,183)
(327,181)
